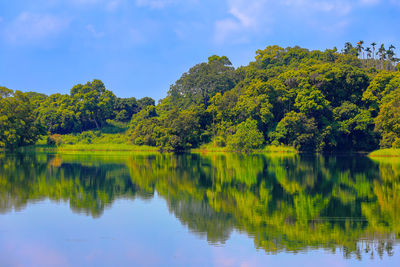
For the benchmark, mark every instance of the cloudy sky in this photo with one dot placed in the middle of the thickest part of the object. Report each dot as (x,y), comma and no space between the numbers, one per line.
(139,47)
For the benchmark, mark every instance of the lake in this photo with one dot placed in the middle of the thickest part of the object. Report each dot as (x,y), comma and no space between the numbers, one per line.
(150,209)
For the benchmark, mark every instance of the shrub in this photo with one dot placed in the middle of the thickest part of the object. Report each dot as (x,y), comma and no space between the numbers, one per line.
(246,138)
(54,140)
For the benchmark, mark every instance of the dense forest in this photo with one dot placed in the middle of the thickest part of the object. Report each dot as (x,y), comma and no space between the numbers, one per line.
(323,101)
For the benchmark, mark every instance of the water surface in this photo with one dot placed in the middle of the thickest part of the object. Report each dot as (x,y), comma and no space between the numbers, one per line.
(215,209)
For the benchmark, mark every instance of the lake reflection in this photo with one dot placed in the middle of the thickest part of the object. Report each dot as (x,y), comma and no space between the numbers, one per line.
(347,205)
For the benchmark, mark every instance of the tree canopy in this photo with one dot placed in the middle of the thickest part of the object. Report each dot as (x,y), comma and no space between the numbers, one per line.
(312,100)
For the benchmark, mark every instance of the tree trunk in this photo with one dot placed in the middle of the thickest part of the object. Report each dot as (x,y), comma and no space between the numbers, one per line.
(95,122)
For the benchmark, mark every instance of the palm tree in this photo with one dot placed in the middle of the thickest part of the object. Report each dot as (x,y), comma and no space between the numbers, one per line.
(390,54)
(368,50)
(348,48)
(362,47)
(382,54)
(373,44)
(359,48)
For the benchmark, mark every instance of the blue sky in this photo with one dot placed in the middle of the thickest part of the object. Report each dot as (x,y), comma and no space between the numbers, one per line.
(140,47)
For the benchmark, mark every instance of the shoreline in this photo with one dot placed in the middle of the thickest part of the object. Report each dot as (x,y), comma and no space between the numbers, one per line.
(384,153)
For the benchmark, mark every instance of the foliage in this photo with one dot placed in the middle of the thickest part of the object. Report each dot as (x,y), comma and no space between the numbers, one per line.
(388,120)
(246,138)
(54,140)
(203,81)
(311,100)
(296,130)
(17,121)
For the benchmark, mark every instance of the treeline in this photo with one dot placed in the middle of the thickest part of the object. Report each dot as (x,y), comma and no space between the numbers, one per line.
(312,100)
(24,117)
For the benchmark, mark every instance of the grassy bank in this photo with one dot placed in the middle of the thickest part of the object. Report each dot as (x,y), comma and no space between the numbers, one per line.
(209,148)
(387,152)
(89,147)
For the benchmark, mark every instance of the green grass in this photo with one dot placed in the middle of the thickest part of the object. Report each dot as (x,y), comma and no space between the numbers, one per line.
(107,139)
(279,149)
(267,149)
(387,152)
(90,147)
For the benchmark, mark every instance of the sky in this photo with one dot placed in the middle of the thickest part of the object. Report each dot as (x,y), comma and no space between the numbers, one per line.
(140,47)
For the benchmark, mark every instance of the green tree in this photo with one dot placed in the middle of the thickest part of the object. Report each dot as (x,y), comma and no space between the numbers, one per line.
(388,120)
(17,120)
(246,138)
(94,104)
(203,81)
(295,129)
(355,128)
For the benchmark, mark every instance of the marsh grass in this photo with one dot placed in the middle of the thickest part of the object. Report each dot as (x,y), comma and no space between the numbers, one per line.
(267,149)
(387,152)
(90,147)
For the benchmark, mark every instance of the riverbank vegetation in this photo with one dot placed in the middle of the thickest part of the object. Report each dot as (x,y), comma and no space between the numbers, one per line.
(324,101)
(386,152)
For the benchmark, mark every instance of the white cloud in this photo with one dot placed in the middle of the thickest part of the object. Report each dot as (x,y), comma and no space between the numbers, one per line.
(395,2)
(247,17)
(155,3)
(85,2)
(109,5)
(28,27)
(113,5)
(94,32)
(340,7)
(369,2)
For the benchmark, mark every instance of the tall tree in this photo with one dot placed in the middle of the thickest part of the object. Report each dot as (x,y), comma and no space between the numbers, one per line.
(93,102)
(368,50)
(382,55)
(360,49)
(390,54)
(202,82)
(373,44)
(17,120)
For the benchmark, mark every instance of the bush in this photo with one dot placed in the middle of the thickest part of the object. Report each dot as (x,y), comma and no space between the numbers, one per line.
(54,140)
(220,141)
(246,138)
(396,143)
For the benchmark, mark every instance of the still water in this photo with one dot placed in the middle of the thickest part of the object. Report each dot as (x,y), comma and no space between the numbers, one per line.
(198,210)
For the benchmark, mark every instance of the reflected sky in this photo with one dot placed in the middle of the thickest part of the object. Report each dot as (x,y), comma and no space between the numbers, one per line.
(193,210)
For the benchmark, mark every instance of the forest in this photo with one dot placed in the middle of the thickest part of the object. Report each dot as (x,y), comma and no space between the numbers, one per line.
(319,101)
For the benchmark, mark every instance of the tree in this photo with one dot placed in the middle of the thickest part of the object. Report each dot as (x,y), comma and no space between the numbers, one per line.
(373,44)
(349,49)
(246,138)
(388,120)
(124,108)
(311,101)
(383,83)
(355,128)
(295,129)
(94,104)
(145,102)
(201,82)
(382,55)
(369,53)
(360,49)
(57,113)
(390,54)
(17,120)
